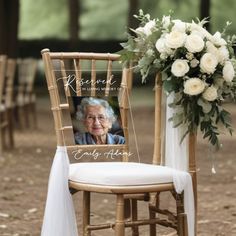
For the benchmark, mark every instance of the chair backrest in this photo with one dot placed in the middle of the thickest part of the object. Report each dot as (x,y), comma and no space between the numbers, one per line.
(3,60)
(10,75)
(73,74)
(26,75)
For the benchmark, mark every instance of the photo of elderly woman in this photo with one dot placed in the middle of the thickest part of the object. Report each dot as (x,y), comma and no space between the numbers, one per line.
(97,121)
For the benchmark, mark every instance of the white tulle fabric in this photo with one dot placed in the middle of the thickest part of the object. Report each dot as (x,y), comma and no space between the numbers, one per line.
(59,217)
(176,156)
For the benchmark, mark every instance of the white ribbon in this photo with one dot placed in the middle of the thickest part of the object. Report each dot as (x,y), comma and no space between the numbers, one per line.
(176,157)
(59,217)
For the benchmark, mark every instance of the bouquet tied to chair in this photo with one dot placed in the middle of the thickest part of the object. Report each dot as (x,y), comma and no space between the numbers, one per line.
(196,66)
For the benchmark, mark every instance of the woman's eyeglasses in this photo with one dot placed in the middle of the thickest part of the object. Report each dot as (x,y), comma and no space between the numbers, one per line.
(91,118)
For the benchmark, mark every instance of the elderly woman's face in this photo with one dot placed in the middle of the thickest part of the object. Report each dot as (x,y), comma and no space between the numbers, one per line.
(96,121)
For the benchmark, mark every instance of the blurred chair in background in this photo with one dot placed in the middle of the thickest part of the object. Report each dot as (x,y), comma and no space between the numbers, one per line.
(8,68)
(8,96)
(26,98)
(3,113)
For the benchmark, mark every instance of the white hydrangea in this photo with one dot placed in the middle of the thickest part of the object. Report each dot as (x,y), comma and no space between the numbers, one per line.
(194,86)
(179,68)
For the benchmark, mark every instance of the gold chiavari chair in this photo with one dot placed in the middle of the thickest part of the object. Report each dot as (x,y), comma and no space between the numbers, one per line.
(3,114)
(9,98)
(126,180)
(26,97)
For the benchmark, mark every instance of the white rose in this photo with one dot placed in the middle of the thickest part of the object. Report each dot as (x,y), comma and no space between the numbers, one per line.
(194,86)
(210,94)
(218,40)
(201,31)
(179,68)
(166,21)
(210,47)
(179,26)
(228,71)
(208,63)
(148,28)
(194,43)
(160,45)
(196,32)
(223,54)
(175,39)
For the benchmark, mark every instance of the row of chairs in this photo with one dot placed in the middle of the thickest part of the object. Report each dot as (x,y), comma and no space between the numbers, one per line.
(17,97)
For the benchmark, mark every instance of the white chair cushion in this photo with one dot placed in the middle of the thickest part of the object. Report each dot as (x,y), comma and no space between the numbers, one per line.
(119,173)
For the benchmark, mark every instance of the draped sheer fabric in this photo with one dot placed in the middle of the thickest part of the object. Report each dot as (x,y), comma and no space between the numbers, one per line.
(59,217)
(176,157)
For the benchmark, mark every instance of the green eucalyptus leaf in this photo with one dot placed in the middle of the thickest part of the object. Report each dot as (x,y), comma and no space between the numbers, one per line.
(205,105)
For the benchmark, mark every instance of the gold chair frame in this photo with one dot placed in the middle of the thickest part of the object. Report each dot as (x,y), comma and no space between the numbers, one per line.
(131,194)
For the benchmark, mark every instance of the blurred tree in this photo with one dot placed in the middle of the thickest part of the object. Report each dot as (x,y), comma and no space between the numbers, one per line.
(103,19)
(9,17)
(44,19)
(150,6)
(133,10)
(205,6)
(74,26)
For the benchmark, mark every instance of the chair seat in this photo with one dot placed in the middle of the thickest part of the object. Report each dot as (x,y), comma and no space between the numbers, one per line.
(120,173)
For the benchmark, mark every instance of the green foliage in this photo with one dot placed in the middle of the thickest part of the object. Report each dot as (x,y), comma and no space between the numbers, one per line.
(197,93)
(43,19)
(107,18)
(103,19)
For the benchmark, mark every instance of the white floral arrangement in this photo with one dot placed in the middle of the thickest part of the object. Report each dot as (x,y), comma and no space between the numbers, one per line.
(198,67)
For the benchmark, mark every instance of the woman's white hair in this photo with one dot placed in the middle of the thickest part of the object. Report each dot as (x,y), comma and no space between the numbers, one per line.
(90,101)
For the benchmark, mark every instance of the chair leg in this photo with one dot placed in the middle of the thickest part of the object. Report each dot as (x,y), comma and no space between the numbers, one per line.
(20,116)
(1,141)
(182,227)
(86,213)
(152,227)
(134,208)
(10,127)
(26,115)
(120,223)
(154,201)
(34,115)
